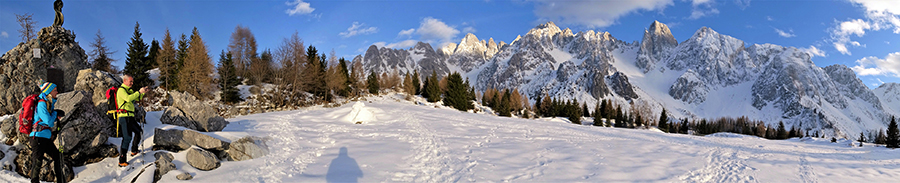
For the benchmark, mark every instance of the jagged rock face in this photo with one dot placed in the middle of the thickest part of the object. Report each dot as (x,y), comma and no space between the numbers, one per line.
(850,86)
(715,58)
(655,45)
(689,88)
(20,72)
(83,135)
(889,93)
(189,112)
(96,83)
(620,84)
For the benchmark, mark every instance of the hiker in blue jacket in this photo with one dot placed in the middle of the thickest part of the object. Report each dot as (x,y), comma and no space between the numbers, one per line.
(45,118)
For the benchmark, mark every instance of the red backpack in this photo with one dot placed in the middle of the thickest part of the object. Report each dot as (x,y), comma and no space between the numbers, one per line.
(26,118)
(113,109)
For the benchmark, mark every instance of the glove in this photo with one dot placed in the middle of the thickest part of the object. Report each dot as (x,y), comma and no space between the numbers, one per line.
(59,113)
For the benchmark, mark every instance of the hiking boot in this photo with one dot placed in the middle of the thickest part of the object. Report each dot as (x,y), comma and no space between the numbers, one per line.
(123,164)
(134,153)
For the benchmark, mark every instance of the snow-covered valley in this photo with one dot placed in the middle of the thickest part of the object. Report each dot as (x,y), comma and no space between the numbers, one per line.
(399,141)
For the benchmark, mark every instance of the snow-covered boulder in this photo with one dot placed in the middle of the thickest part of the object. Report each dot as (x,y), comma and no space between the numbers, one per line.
(183,139)
(202,159)
(163,164)
(189,112)
(248,148)
(359,114)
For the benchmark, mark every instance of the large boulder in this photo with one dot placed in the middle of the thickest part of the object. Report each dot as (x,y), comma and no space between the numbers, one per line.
(23,166)
(82,136)
(163,164)
(97,82)
(21,73)
(176,139)
(189,112)
(248,148)
(202,159)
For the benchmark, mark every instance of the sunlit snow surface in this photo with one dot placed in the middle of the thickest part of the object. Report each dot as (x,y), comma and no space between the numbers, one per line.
(402,141)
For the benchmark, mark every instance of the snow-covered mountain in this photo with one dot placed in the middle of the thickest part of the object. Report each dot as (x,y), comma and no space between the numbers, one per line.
(708,75)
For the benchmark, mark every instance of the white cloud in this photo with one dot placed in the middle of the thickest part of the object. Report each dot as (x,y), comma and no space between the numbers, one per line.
(4,34)
(703,8)
(469,30)
(889,66)
(358,29)
(769,18)
(880,5)
(785,34)
(435,31)
(592,14)
(407,32)
(401,44)
(299,7)
(880,14)
(813,51)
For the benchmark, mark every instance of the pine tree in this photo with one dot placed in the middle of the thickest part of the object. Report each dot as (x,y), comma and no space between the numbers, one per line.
(537,105)
(101,60)
(573,112)
(620,121)
(602,111)
(372,83)
(782,134)
(457,95)
(166,62)
(180,56)
(597,120)
(345,72)
(197,69)
(228,79)
(416,82)
(893,136)
(154,52)
(503,104)
(862,138)
(833,140)
(684,126)
(663,119)
(136,64)
(432,88)
(314,73)
(638,120)
(880,138)
(585,111)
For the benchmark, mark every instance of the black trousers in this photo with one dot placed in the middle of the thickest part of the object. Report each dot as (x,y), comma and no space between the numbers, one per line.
(127,126)
(41,146)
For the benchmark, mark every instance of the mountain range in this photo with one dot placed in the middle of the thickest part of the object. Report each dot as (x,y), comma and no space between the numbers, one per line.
(708,75)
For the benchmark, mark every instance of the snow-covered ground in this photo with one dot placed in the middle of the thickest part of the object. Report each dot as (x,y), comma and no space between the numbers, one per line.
(400,141)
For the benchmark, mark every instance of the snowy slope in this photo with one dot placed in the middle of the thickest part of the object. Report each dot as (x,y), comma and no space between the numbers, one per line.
(405,142)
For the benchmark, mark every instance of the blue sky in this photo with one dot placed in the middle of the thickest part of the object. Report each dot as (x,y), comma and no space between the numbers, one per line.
(862,34)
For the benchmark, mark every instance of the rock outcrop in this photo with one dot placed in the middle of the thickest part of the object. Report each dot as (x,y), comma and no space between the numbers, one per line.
(82,136)
(202,159)
(97,82)
(21,73)
(189,112)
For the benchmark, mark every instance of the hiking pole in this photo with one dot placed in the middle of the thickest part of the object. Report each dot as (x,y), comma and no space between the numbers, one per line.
(62,156)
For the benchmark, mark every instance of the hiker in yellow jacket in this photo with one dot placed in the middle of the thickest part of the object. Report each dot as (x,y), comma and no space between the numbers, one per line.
(125,98)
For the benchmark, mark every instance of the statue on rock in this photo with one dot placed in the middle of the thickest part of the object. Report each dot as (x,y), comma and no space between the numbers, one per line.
(59,16)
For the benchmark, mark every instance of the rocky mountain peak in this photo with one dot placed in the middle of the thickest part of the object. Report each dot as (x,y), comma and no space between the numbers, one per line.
(659,31)
(546,29)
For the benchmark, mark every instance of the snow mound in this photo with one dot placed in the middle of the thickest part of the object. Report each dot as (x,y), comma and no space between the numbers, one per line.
(359,114)
(730,135)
